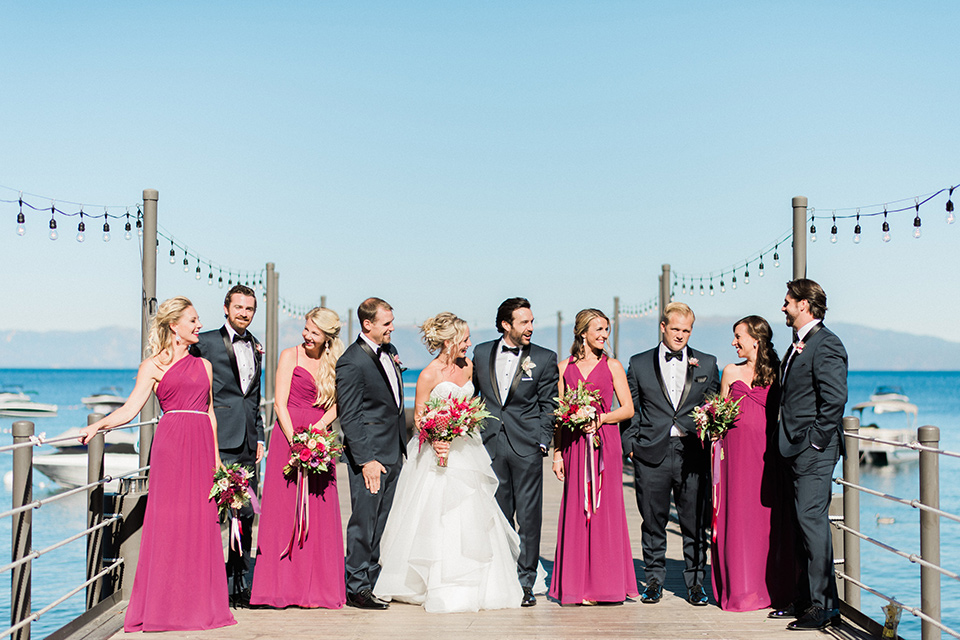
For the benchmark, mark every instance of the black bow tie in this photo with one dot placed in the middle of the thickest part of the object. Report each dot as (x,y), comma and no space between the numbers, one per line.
(505,349)
(670,355)
(242,338)
(381,350)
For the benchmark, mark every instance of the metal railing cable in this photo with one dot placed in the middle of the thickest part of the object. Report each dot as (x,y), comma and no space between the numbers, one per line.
(912,557)
(36,504)
(33,617)
(37,440)
(916,504)
(916,611)
(916,446)
(33,555)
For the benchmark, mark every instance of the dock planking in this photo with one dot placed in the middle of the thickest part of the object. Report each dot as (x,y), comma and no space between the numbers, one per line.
(672,619)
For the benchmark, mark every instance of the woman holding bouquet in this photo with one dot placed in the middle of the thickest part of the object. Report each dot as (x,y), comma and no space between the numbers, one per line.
(180,583)
(752,552)
(300,540)
(447,545)
(594,561)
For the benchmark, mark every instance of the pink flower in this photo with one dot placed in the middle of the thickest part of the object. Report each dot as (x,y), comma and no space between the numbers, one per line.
(693,362)
(304,454)
(799,347)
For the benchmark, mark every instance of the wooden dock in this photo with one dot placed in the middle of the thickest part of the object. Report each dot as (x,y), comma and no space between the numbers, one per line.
(673,618)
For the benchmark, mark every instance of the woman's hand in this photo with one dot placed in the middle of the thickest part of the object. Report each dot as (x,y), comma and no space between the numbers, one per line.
(218,463)
(441,448)
(593,426)
(87,433)
(558,468)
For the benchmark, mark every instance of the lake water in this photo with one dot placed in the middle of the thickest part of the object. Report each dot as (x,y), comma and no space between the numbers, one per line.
(936,395)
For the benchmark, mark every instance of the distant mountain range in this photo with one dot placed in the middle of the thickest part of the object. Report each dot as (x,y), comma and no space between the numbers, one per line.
(868,349)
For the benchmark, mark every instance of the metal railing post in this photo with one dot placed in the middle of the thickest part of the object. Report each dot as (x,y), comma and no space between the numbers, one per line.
(929,531)
(799,237)
(560,335)
(22,528)
(616,326)
(95,450)
(851,511)
(148,309)
(272,331)
(664,296)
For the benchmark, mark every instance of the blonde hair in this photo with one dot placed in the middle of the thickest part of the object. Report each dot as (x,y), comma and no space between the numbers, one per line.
(329,323)
(442,328)
(677,308)
(580,326)
(160,335)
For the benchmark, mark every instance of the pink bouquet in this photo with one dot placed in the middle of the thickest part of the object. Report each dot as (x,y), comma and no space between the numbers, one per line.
(449,418)
(231,487)
(715,417)
(577,408)
(312,450)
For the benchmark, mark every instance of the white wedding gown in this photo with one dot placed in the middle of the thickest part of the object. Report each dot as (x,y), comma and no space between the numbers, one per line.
(446,544)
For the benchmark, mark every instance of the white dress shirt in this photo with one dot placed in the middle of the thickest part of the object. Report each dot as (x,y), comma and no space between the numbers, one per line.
(674,374)
(506,368)
(802,333)
(243,350)
(386,361)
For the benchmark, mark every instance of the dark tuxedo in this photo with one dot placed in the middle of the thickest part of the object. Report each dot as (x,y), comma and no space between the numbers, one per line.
(516,439)
(814,392)
(239,426)
(665,464)
(374,428)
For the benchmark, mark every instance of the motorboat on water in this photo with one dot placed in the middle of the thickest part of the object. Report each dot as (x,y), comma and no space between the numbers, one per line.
(887,400)
(68,466)
(16,403)
(104,401)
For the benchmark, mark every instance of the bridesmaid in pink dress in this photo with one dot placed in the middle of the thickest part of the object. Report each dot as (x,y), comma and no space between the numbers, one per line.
(753,564)
(289,573)
(594,561)
(180,583)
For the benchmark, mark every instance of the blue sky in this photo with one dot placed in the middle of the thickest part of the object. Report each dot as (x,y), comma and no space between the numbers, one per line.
(445,156)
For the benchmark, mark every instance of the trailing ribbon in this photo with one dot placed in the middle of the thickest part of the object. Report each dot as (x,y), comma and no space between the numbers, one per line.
(716,456)
(592,474)
(235,530)
(301,524)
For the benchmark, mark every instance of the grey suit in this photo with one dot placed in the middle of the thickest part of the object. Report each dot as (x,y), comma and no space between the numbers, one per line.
(665,464)
(814,392)
(373,429)
(516,438)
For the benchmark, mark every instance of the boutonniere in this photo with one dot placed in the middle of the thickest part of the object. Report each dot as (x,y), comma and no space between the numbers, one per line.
(258,348)
(527,365)
(799,347)
(396,360)
(693,362)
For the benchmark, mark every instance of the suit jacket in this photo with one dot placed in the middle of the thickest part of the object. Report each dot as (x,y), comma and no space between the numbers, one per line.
(647,434)
(525,416)
(814,393)
(374,427)
(238,413)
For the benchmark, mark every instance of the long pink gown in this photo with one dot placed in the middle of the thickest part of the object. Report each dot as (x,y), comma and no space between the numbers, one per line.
(752,547)
(180,583)
(311,575)
(594,560)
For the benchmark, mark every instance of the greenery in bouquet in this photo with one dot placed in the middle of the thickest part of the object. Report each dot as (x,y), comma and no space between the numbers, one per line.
(715,417)
(577,407)
(449,418)
(313,450)
(231,487)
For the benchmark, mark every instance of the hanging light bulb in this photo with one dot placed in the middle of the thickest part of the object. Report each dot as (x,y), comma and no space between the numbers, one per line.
(210,275)
(106,231)
(53,229)
(701,287)
(885,227)
(139,223)
(856,230)
(198,271)
(813,232)
(220,280)
(21,221)
(723,287)
(173,254)
(186,264)
(711,287)
(126,227)
(833,229)
(776,256)
(746,275)
(950,217)
(733,281)
(81,228)
(760,266)
(916,222)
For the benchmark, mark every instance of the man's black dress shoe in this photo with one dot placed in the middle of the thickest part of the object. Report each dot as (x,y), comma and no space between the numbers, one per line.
(528,598)
(365,600)
(790,611)
(241,599)
(653,592)
(815,619)
(697,597)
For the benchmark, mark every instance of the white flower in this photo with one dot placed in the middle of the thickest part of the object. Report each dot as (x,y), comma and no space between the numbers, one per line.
(223,483)
(527,365)
(693,362)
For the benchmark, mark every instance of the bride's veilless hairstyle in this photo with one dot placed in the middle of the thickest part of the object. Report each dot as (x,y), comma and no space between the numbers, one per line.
(768,364)
(580,326)
(442,328)
(329,323)
(160,335)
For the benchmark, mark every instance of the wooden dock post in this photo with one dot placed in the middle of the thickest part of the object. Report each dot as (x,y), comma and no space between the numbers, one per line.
(148,309)
(272,338)
(799,237)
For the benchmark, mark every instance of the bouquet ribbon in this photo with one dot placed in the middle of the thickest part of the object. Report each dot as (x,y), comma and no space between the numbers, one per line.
(716,456)
(592,474)
(301,524)
(236,529)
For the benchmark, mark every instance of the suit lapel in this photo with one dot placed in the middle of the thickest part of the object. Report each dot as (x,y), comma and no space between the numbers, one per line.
(494,384)
(524,354)
(256,361)
(232,356)
(688,381)
(376,361)
(659,374)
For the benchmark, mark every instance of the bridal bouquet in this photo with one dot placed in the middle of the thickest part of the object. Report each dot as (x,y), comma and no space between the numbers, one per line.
(577,408)
(312,450)
(231,487)
(448,418)
(715,417)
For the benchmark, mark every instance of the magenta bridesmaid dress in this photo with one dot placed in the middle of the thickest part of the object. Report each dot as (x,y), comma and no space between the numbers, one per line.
(752,548)
(310,575)
(594,560)
(181,583)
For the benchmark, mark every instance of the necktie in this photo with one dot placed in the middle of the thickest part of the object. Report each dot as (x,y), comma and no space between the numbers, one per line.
(242,338)
(514,350)
(670,355)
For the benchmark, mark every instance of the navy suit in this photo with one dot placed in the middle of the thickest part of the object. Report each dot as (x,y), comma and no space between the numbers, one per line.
(374,428)
(239,427)
(521,426)
(814,392)
(665,464)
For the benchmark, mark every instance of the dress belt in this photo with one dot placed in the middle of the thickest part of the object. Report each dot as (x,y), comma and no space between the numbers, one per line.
(199,413)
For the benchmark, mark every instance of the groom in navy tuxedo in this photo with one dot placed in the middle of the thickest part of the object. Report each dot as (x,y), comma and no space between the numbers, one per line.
(235,356)
(370,409)
(810,439)
(667,382)
(518,383)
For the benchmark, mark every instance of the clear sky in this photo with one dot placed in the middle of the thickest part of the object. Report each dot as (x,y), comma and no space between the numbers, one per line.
(446,155)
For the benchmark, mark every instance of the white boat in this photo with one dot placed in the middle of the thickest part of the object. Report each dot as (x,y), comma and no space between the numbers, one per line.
(104,401)
(115,441)
(17,404)
(887,400)
(69,470)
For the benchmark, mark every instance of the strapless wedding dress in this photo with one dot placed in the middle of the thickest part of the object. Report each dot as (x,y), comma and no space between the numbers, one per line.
(447,545)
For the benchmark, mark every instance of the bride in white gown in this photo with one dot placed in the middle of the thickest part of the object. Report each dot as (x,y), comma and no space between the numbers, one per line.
(447,545)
